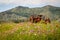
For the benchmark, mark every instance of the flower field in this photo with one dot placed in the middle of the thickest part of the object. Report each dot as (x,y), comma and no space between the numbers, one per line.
(30,31)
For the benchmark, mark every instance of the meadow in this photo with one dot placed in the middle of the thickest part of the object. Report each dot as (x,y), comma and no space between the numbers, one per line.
(30,31)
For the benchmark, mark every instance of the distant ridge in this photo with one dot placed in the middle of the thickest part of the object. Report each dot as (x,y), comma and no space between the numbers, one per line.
(21,7)
(22,13)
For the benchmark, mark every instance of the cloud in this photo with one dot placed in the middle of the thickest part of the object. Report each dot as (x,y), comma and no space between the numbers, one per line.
(30,2)
(34,2)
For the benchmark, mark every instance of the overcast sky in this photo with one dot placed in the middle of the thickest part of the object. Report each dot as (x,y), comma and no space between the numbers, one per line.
(8,4)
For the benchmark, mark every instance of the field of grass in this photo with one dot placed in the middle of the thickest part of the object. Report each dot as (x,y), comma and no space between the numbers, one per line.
(30,31)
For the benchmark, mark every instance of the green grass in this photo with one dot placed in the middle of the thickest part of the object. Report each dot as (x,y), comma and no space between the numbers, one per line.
(6,26)
(33,31)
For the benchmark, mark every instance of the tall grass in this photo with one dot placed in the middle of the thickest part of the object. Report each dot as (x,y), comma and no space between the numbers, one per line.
(34,31)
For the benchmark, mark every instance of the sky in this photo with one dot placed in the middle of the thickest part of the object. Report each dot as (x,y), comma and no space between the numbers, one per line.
(8,4)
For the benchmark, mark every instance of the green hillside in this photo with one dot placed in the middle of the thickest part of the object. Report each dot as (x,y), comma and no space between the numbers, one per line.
(23,13)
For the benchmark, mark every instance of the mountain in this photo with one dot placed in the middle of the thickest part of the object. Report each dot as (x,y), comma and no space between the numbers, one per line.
(22,13)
